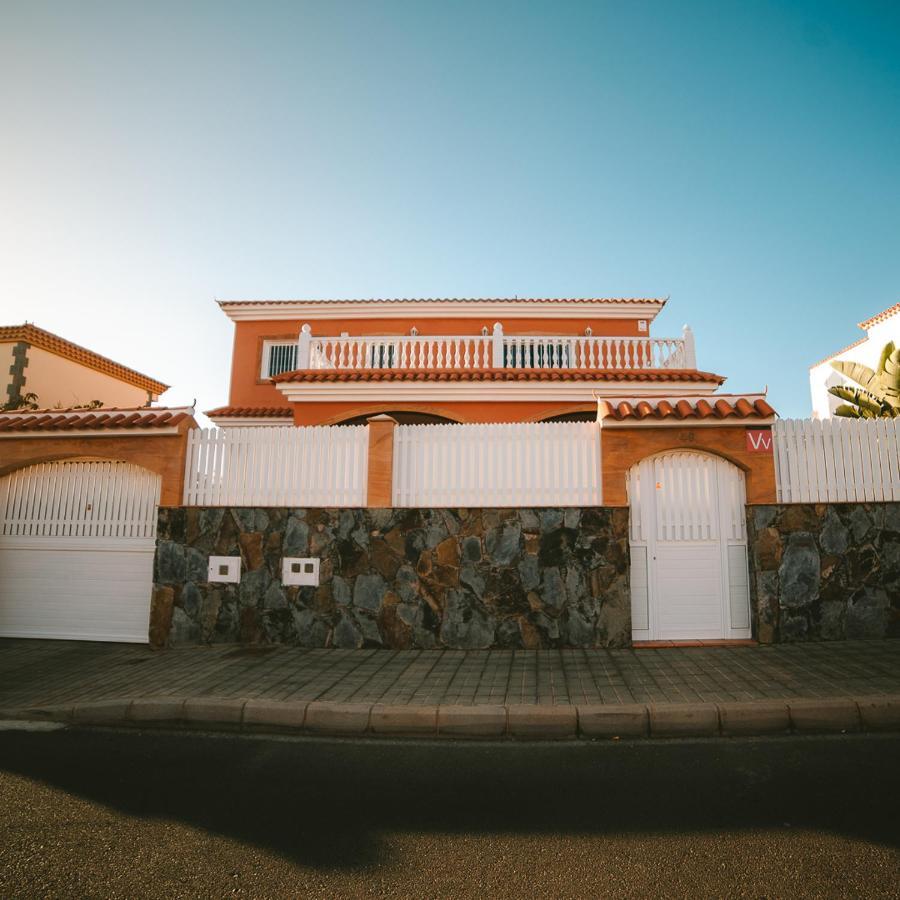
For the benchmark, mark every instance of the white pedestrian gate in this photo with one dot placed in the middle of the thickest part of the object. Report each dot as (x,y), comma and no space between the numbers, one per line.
(689,577)
(76,551)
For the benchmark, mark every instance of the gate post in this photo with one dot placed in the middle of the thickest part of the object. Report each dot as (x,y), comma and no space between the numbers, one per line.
(380,485)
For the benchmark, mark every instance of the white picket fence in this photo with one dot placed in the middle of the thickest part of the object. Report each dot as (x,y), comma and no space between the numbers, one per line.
(837,460)
(280,466)
(79,499)
(529,464)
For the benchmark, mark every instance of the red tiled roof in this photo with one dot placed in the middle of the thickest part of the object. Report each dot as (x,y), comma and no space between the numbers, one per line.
(880,317)
(659,300)
(326,375)
(93,419)
(722,406)
(53,343)
(251,412)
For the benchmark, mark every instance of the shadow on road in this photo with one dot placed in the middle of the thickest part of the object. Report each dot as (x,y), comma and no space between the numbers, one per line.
(325,803)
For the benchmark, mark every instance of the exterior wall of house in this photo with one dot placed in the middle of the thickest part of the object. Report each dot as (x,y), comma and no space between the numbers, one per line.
(7,367)
(867,352)
(249,389)
(624,447)
(460,578)
(62,382)
(160,453)
(825,571)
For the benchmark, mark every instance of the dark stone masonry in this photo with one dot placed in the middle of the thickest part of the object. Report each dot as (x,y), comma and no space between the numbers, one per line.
(828,571)
(399,578)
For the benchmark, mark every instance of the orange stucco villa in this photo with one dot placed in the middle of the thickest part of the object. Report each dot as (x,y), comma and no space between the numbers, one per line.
(315,362)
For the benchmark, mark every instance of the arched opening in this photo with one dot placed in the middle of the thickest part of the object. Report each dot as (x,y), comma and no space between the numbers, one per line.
(688,536)
(581,416)
(403,417)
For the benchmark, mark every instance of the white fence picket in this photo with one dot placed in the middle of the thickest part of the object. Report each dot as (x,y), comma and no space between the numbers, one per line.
(837,460)
(79,499)
(281,466)
(527,464)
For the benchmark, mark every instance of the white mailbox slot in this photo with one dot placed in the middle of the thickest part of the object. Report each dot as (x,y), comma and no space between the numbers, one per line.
(300,570)
(224,568)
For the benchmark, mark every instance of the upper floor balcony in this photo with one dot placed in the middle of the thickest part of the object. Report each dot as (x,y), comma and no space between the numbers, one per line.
(489,350)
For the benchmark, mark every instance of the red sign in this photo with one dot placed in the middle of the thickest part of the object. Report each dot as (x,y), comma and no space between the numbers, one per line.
(759,440)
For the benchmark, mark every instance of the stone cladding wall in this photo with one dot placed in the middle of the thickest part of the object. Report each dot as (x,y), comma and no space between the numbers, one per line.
(828,571)
(399,578)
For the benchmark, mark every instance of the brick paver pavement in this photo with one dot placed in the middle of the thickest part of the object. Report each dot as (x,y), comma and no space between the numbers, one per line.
(34,673)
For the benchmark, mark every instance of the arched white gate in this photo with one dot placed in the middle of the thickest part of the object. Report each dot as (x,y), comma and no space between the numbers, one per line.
(689,577)
(76,551)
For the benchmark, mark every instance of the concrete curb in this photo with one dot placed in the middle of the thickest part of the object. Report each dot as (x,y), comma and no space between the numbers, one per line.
(835,715)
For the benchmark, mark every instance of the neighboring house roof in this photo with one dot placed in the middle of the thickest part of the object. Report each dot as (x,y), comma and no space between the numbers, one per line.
(53,343)
(880,317)
(146,418)
(389,375)
(251,412)
(722,406)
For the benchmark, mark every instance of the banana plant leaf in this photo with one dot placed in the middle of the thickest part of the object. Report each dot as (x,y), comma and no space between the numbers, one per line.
(857,397)
(850,412)
(890,374)
(885,356)
(859,373)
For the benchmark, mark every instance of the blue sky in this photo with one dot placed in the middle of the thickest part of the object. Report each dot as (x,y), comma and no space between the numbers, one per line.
(741,158)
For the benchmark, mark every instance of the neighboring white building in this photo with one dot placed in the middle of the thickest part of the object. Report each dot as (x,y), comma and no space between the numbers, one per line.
(881,328)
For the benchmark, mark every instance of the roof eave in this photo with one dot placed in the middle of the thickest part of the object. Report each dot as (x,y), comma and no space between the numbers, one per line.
(600,307)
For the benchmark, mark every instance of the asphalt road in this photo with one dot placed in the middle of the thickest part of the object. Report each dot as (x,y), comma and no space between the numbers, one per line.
(128,814)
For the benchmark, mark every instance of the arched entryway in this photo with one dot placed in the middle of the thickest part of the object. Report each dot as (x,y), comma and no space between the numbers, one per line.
(77,540)
(402,417)
(589,415)
(688,537)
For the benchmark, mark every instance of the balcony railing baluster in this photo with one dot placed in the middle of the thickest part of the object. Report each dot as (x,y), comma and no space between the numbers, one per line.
(515,352)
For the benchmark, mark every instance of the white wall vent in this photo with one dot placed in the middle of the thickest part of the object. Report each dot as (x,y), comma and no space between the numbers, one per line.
(224,568)
(300,570)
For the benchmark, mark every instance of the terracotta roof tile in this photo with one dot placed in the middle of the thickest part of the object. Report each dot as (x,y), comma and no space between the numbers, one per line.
(880,317)
(53,343)
(723,406)
(93,419)
(393,375)
(251,412)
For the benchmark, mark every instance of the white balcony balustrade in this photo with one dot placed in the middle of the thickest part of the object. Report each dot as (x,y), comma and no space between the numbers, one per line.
(496,350)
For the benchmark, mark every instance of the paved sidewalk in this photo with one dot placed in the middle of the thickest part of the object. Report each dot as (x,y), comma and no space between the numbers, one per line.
(54,673)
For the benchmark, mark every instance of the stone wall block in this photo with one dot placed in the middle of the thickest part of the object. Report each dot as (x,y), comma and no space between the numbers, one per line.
(839,575)
(769,549)
(162,603)
(466,578)
(799,571)
(798,517)
(169,563)
(296,537)
(369,591)
(503,544)
(835,537)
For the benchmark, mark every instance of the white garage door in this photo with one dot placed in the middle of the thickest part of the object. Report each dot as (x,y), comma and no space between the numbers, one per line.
(76,551)
(689,576)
